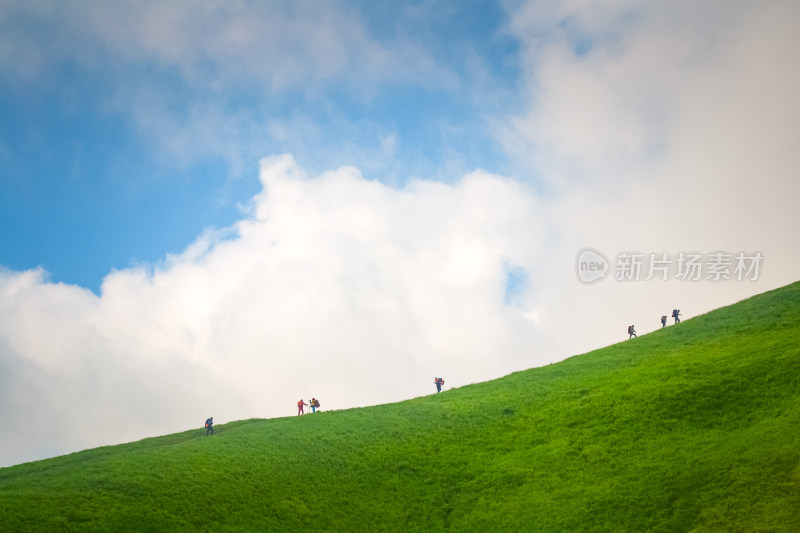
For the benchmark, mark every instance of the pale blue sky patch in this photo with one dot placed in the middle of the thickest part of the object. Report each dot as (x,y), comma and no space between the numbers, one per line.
(517,281)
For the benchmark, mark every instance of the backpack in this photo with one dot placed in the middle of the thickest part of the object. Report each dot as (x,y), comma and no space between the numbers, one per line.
(630,330)
(208,423)
(316,403)
(664,318)
(675,312)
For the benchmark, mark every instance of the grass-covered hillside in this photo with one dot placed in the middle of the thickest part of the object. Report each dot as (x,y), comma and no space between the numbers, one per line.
(695,427)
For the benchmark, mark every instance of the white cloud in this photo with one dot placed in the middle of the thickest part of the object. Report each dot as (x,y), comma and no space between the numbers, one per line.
(337,287)
(664,127)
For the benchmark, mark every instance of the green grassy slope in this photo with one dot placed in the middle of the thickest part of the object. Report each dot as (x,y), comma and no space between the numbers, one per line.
(691,428)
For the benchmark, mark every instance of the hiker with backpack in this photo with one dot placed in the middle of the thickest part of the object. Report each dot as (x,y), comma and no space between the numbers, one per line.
(676,313)
(438,382)
(314,403)
(210,425)
(663,321)
(631,332)
(300,405)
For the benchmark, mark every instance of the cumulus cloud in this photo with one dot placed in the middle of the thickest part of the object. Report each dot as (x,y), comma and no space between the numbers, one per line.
(335,286)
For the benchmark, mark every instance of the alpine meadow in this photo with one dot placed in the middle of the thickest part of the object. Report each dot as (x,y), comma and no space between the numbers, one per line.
(693,427)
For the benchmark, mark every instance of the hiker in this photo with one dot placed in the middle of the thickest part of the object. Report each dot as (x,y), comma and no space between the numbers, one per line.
(300,405)
(663,321)
(438,382)
(314,403)
(631,332)
(210,425)
(676,313)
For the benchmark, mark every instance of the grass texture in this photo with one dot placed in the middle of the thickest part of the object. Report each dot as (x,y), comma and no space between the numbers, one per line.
(694,427)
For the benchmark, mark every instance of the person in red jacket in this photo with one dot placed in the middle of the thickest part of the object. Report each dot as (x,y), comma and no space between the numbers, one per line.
(300,405)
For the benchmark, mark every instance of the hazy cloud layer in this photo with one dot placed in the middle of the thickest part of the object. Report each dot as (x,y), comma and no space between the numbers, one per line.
(660,128)
(237,80)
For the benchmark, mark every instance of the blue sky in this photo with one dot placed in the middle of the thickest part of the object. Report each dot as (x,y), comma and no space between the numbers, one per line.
(217,208)
(88,185)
